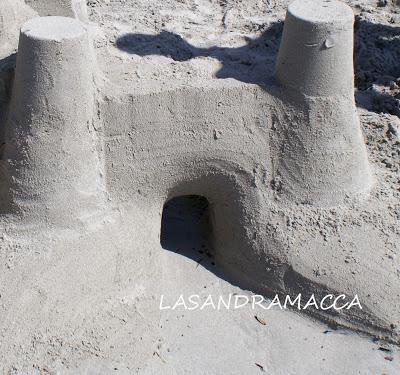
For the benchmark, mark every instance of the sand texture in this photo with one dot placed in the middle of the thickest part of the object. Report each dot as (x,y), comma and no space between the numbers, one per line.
(202,147)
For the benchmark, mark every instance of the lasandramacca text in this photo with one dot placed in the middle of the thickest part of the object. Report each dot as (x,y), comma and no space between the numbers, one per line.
(237,301)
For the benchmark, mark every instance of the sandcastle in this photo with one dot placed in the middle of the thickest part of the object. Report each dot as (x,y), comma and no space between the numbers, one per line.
(76,148)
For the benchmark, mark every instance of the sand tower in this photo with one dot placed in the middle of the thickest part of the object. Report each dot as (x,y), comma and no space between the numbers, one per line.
(324,158)
(53,165)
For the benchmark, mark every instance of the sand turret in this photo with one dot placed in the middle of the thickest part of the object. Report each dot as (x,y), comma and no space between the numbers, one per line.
(323,157)
(53,165)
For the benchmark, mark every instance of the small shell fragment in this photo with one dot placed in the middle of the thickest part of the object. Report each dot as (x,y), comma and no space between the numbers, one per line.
(329,43)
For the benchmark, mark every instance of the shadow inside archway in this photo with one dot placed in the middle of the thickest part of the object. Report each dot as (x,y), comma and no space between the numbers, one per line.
(186,229)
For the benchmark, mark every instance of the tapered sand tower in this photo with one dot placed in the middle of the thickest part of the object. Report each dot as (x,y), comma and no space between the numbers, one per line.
(53,165)
(324,158)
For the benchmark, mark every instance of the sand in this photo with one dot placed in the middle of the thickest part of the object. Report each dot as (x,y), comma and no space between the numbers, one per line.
(85,299)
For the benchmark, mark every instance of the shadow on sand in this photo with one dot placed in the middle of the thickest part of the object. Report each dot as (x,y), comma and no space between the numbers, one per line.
(377,53)
(246,63)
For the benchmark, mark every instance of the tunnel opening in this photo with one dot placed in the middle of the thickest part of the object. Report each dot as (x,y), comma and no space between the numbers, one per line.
(186,228)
